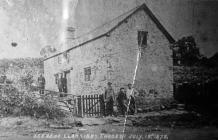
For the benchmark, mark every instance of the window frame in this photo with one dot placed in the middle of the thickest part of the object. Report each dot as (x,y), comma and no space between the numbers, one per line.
(142,38)
(87,74)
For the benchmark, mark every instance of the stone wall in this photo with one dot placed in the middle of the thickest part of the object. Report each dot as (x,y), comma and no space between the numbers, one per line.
(155,68)
(180,17)
(113,58)
(49,70)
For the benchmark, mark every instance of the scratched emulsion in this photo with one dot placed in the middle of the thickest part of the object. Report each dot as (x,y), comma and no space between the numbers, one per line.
(66,10)
(133,82)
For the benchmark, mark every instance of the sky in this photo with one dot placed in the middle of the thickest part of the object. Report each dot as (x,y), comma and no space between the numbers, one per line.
(34,24)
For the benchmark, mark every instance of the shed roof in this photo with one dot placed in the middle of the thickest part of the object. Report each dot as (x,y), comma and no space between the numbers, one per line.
(107,28)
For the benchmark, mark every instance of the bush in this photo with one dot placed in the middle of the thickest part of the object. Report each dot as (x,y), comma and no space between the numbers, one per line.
(185,52)
(32,104)
(10,99)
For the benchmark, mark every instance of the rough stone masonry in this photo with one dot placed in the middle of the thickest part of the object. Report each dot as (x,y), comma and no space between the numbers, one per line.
(112,58)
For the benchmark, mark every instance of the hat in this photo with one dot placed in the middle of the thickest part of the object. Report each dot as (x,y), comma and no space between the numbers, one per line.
(129,84)
(109,83)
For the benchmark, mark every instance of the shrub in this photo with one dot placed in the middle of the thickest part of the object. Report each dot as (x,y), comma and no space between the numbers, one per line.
(186,52)
(32,104)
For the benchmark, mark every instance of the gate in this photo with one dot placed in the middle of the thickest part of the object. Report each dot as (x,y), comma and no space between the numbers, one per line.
(82,105)
(88,105)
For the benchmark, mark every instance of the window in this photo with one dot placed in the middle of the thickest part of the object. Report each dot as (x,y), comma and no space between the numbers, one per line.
(87,74)
(142,38)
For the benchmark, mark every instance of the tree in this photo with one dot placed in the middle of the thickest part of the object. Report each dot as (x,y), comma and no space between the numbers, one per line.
(185,52)
(47,50)
(26,80)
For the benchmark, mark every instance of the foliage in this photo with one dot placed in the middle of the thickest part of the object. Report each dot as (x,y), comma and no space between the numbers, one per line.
(185,51)
(22,72)
(18,103)
(17,97)
(193,67)
(26,80)
(10,98)
(47,50)
(20,62)
(194,74)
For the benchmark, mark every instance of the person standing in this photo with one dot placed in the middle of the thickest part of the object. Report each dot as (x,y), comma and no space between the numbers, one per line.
(64,84)
(131,93)
(109,96)
(121,100)
(41,82)
(60,84)
(102,105)
(60,87)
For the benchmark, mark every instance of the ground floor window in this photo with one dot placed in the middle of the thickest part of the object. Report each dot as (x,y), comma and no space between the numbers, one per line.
(87,73)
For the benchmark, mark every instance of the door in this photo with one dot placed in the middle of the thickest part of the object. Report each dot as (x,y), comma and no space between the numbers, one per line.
(67,75)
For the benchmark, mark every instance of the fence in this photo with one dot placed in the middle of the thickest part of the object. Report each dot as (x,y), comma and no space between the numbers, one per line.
(65,101)
(82,105)
(88,105)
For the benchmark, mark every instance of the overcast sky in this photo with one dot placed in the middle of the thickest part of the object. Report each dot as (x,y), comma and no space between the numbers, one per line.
(33,24)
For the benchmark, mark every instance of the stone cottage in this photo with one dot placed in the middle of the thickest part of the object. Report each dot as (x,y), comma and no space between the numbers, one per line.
(109,54)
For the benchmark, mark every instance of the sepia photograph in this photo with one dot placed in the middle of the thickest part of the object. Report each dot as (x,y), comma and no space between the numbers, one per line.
(108,69)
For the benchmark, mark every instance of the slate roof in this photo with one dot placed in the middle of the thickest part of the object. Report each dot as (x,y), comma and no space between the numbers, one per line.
(110,26)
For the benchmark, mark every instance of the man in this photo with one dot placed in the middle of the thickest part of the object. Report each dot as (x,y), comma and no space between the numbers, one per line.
(60,84)
(109,96)
(131,93)
(121,100)
(64,84)
(41,81)
(102,105)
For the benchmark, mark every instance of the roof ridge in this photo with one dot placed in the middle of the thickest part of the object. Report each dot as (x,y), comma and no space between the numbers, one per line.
(108,22)
(145,8)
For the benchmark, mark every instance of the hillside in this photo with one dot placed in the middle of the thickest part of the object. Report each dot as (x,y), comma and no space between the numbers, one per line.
(17,70)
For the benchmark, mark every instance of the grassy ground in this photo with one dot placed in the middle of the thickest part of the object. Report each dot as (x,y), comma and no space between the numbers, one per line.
(153,125)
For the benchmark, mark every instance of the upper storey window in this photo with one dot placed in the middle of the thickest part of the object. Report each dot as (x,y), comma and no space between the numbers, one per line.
(142,38)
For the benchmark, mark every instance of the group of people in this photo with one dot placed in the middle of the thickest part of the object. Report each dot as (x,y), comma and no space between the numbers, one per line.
(124,100)
(61,83)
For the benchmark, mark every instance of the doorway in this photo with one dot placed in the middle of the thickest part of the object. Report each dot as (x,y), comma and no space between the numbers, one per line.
(68,81)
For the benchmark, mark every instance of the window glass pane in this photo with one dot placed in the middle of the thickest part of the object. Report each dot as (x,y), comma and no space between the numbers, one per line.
(142,38)
(87,73)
